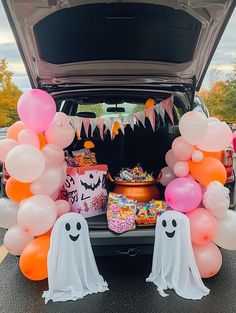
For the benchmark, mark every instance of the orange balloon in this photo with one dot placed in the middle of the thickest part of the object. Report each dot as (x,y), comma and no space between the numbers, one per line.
(42,140)
(207,170)
(217,155)
(89,144)
(33,260)
(14,130)
(16,190)
(149,103)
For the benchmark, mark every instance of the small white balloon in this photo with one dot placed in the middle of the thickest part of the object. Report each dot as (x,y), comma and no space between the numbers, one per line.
(181,169)
(197,156)
(5,146)
(62,207)
(16,239)
(8,213)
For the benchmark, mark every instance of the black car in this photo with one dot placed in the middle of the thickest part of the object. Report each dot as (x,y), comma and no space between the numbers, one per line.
(91,54)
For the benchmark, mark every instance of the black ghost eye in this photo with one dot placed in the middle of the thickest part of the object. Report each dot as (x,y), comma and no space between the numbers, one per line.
(91,175)
(164,223)
(67,226)
(78,226)
(174,223)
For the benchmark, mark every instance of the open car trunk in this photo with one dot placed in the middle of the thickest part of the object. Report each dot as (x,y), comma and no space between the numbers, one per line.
(74,42)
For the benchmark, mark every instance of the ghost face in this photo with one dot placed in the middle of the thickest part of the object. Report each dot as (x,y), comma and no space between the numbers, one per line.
(169,227)
(73,230)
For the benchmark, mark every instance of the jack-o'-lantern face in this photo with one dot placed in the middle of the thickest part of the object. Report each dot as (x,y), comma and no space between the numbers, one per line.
(90,180)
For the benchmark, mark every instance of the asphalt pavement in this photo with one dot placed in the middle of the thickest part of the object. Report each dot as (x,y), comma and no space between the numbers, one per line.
(128,290)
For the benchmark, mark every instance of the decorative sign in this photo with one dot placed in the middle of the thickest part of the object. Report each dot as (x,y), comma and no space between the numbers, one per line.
(86,189)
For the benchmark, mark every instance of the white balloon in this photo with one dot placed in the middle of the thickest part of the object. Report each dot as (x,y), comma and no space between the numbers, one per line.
(197,156)
(216,199)
(16,239)
(226,233)
(37,214)
(8,213)
(48,183)
(5,146)
(193,127)
(25,163)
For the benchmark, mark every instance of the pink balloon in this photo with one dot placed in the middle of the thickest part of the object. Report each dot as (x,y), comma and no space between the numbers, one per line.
(62,207)
(16,239)
(183,194)
(36,109)
(5,146)
(37,214)
(197,156)
(166,176)
(203,226)
(61,119)
(48,182)
(219,136)
(208,259)
(54,155)
(25,163)
(29,137)
(182,149)
(234,141)
(170,158)
(60,135)
(181,168)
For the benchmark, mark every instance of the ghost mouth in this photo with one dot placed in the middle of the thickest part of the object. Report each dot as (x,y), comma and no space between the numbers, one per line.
(170,235)
(74,238)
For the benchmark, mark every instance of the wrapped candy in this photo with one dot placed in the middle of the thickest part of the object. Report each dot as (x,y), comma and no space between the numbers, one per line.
(136,174)
(121,213)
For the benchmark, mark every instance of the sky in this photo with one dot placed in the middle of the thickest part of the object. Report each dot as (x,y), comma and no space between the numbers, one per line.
(222,60)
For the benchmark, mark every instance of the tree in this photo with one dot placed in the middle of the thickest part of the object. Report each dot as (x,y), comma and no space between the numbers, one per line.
(9,95)
(220,98)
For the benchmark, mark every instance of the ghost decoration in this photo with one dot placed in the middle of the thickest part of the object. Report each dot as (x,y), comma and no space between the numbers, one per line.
(72,269)
(173,264)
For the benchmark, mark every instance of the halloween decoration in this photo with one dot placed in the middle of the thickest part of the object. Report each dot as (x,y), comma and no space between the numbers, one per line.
(173,265)
(86,190)
(70,241)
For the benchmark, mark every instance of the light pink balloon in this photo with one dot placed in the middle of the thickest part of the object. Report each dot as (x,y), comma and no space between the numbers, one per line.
(170,158)
(54,155)
(62,207)
(25,163)
(16,239)
(61,119)
(37,214)
(182,149)
(29,137)
(5,146)
(36,109)
(203,226)
(181,168)
(193,127)
(60,135)
(219,136)
(208,259)
(48,182)
(63,174)
(197,156)
(183,194)
(166,176)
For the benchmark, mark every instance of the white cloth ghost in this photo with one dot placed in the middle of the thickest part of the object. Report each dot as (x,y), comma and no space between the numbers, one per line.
(173,264)
(72,269)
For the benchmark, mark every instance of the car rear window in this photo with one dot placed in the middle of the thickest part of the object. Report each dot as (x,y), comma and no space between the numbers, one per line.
(115,31)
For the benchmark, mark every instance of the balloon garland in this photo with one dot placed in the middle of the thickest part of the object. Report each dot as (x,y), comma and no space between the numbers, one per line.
(194,178)
(33,154)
